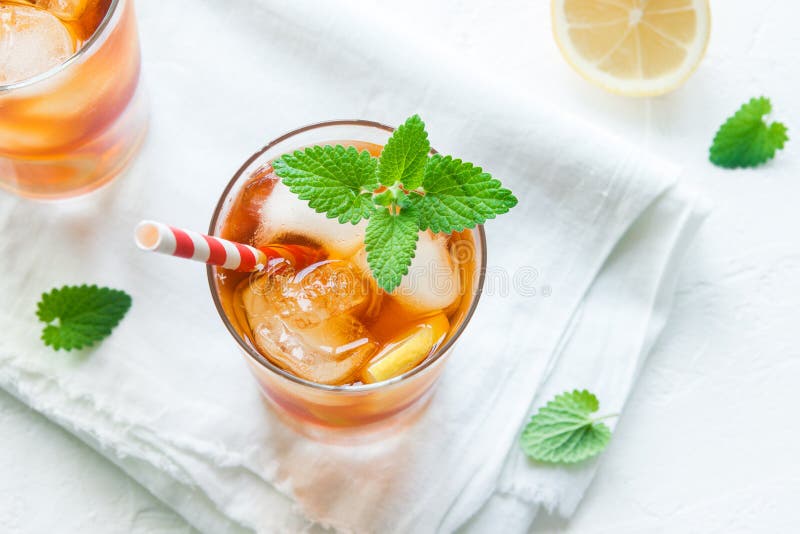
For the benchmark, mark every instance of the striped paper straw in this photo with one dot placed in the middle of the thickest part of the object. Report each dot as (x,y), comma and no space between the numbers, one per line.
(159,237)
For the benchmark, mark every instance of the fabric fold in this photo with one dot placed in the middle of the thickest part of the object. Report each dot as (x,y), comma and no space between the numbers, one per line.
(628,296)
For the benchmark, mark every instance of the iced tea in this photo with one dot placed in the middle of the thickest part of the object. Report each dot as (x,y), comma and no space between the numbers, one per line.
(71,117)
(329,347)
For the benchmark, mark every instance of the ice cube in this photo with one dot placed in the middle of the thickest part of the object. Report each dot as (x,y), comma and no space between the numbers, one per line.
(63,9)
(284,217)
(432,283)
(330,353)
(321,291)
(31,42)
(309,328)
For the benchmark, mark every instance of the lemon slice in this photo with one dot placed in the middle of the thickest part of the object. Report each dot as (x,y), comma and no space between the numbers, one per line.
(407,350)
(633,47)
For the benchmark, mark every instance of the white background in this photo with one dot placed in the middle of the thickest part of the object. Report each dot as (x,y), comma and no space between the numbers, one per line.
(708,442)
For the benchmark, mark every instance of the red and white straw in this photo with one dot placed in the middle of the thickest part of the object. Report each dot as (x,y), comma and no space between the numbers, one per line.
(159,237)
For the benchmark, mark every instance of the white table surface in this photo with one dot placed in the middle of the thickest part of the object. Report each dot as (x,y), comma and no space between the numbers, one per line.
(708,441)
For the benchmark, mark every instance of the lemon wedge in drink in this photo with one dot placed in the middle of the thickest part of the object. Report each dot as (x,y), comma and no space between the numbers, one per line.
(407,350)
(633,47)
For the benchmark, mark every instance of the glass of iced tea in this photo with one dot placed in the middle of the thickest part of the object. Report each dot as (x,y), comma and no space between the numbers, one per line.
(334,354)
(71,112)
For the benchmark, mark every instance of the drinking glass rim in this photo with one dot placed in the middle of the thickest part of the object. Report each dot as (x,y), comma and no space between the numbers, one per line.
(260,358)
(49,73)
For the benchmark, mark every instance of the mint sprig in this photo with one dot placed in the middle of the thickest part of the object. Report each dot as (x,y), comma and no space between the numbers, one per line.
(564,431)
(403,192)
(80,316)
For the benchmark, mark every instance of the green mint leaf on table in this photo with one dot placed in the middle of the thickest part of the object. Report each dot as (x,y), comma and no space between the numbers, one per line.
(405,155)
(563,430)
(84,315)
(403,192)
(335,180)
(390,241)
(746,140)
(457,195)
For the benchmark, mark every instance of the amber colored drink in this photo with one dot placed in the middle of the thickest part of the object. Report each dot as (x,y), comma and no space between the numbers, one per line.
(333,352)
(71,117)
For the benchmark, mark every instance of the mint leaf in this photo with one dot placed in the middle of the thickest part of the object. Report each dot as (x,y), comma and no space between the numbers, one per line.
(417,192)
(391,240)
(405,155)
(335,180)
(457,195)
(563,430)
(84,315)
(746,140)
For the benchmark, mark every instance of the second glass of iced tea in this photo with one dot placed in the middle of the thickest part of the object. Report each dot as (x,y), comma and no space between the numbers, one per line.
(334,354)
(72,114)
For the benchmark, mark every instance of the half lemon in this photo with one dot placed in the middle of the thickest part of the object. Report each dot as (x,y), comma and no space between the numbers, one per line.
(633,47)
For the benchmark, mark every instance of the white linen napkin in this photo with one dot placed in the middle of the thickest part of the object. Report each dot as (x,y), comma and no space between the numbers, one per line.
(588,259)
